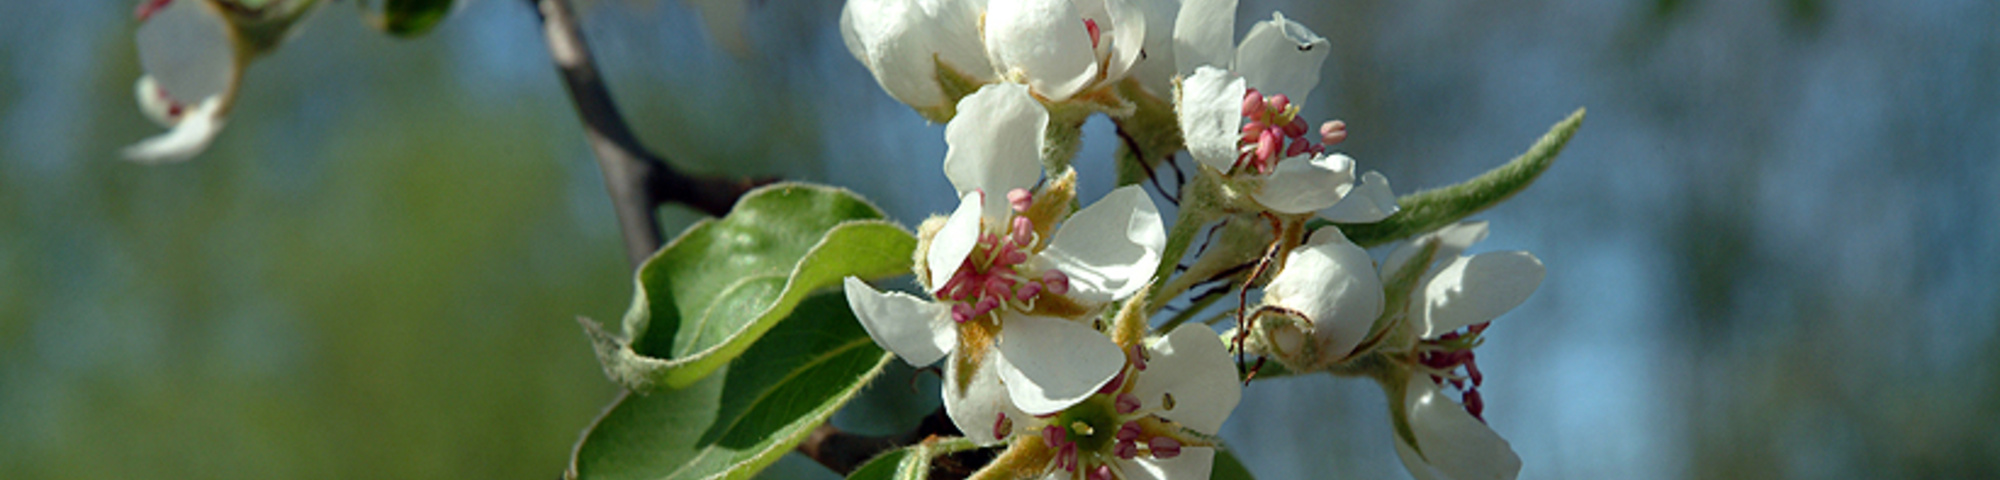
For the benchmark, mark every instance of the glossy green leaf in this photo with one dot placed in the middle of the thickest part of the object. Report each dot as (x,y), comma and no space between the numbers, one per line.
(709,294)
(733,423)
(1433,209)
(409,18)
(1227,467)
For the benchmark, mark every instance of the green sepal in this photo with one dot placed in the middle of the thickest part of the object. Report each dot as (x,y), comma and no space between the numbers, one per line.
(1430,210)
(709,294)
(734,423)
(954,85)
(1227,467)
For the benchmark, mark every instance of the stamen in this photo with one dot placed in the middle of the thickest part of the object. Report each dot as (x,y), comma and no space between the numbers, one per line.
(1334,132)
(1024,231)
(1091,26)
(1128,432)
(1002,426)
(1253,103)
(1167,401)
(1055,282)
(1020,199)
(1054,436)
(1125,448)
(1164,447)
(1127,403)
(1474,404)
(1102,472)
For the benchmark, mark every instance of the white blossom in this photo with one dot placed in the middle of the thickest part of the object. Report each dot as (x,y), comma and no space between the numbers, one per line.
(189,51)
(1064,47)
(902,42)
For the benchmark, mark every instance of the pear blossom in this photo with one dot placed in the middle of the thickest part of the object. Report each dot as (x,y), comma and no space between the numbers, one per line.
(1450,307)
(1264,80)
(902,42)
(194,52)
(1002,295)
(1330,284)
(1064,47)
(188,49)
(1156,420)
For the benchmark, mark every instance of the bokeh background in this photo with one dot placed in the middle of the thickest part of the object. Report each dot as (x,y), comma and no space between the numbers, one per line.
(1771,248)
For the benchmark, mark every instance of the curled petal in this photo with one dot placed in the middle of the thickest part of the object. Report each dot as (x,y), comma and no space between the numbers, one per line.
(1192,364)
(1477,289)
(1043,40)
(1282,56)
(1049,364)
(1211,116)
(920,332)
(191,133)
(901,42)
(1454,445)
(1333,283)
(977,403)
(1128,35)
(954,241)
(1300,184)
(1369,202)
(995,143)
(1110,248)
(1205,35)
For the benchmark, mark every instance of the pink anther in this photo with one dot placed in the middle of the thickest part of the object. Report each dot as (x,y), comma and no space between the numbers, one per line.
(1020,199)
(1332,132)
(1164,447)
(1091,26)
(1253,103)
(1055,436)
(1127,403)
(1125,449)
(1279,102)
(1102,472)
(1128,432)
(1002,426)
(1055,282)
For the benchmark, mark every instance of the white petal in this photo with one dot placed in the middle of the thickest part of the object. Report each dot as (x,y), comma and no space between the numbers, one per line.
(1205,34)
(1456,445)
(1211,116)
(1282,56)
(190,49)
(953,242)
(977,405)
(1477,289)
(917,330)
(901,41)
(1127,35)
(1415,464)
(1369,202)
(1305,184)
(1044,40)
(1333,283)
(995,143)
(1194,463)
(1155,68)
(1109,249)
(154,103)
(1049,364)
(1192,364)
(197,126)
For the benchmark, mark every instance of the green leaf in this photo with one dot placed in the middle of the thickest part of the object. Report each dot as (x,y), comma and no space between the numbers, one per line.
(409,18)
(1433,209)
(910,463)
(1227,467)
(708,295)
(736,422)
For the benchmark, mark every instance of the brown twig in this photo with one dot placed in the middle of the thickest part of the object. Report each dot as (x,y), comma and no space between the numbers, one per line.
(639,180)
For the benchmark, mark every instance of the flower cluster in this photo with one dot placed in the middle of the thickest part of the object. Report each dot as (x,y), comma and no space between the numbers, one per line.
(1042,315)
